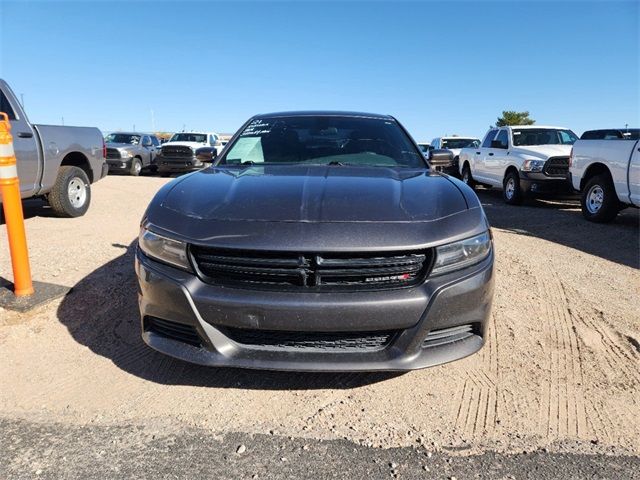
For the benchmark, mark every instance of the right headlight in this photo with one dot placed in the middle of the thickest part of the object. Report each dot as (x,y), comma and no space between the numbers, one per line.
(457,255)
(167,250)
(125,153)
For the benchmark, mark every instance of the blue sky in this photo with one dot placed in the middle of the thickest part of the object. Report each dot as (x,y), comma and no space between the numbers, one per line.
(439,67)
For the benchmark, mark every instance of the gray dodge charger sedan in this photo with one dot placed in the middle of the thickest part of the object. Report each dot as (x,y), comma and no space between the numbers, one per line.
(316,241)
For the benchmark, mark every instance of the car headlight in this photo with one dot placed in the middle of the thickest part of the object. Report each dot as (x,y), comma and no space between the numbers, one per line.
(164,249)
(125,153)
(464,253)
(532,166)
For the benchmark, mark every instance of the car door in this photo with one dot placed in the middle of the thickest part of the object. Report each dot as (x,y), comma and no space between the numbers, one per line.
(497,157)
(479,168)
(634,175)
(25,146)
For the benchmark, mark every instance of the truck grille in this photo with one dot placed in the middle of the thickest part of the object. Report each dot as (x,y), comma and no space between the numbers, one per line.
(310,341)
(177,151)
(113,153)
(556,167)
(305,271)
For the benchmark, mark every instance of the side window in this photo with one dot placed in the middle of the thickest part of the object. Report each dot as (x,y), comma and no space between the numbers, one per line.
(212,140)
(6,107)
(145,141)
(486,143)
(155,141)
(503,137)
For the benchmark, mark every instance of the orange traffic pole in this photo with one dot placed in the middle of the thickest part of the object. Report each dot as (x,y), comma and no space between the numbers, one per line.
(12,205)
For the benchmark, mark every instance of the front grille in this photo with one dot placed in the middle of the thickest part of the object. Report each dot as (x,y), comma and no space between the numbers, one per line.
(448,335)
(305,271)
(174,331)
(310,341)
(556,167)
(113,153)
(177,151)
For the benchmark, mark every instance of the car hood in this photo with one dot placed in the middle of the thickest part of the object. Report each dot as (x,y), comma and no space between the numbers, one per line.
(543,151)
(315,194)
(186,144)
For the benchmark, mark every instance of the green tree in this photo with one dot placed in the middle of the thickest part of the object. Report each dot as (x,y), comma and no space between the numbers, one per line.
(510,117)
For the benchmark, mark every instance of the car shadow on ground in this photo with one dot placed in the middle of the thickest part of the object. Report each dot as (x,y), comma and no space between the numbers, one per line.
(559,220)
(32,207)
(101,313)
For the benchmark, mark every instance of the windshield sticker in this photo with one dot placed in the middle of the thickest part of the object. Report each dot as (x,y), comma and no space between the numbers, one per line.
(256,127)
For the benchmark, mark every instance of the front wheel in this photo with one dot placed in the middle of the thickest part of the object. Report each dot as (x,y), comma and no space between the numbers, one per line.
(136,167)
(466,176)
(71,194)
(599,201)
(511,191)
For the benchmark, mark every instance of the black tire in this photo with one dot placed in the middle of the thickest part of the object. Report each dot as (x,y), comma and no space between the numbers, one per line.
(136,167)
(599,201)
(71,194)
(511,191)
(466,176)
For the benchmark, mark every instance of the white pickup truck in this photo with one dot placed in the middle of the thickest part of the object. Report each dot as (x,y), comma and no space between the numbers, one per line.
(607,172)
(520,160)
(56,163)
(179,153)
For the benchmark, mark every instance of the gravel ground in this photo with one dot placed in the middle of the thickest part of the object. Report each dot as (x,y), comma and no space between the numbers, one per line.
(559,376)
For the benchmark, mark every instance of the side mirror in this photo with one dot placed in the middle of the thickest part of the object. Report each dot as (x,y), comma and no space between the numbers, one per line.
(497,144)
(440,157)
(206,154)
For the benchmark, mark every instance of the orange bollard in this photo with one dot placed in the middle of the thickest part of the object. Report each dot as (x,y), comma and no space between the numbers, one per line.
(12,205)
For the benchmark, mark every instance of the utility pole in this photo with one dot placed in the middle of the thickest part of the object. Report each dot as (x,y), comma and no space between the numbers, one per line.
(134,127)
(153,121)
(63,121)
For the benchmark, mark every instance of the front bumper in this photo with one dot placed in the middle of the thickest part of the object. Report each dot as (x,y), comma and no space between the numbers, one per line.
(458,298)
(119,164)
(181,164)
(535,182)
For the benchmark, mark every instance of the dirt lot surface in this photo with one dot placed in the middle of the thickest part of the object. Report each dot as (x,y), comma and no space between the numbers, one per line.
(560,372)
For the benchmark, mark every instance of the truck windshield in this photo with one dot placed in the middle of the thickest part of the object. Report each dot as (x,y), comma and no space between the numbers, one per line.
(189,137)
(460,142)
(543,136)
(122,138)
(324,140)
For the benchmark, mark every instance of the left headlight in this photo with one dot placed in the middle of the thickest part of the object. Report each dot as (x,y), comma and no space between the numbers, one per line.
(125,153)
(532,166)
(464,253)
(164,249)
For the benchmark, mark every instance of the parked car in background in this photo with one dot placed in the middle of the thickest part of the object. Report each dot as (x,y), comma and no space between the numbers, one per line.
(179,153)
(521,160)
(607,173)
(56,163)
(424,148)
(131,152)
(611,133)
(317,241)
(455,144)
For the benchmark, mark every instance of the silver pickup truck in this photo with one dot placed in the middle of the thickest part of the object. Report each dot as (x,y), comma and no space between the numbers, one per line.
(56,163)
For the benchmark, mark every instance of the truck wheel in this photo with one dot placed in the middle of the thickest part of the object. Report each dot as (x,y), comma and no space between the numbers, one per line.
(511,191)
(136,167)
(599,201)
(71,194)
(466,176)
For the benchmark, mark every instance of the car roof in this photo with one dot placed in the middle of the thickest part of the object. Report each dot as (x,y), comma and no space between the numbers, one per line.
(323,113)
(524,127)
(132,133)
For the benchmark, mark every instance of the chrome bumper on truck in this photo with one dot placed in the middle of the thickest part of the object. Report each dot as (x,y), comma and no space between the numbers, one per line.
(440,319)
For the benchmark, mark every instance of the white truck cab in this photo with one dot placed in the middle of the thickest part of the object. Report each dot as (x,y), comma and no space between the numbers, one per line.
(179,153)
(520,159)
(605,168)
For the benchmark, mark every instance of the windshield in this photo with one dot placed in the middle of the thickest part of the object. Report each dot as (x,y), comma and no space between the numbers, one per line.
(543,136)
(189,137)
(122,138)
(324,140)
(460,142)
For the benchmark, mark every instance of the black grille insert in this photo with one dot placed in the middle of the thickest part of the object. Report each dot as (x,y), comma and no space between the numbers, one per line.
(174,331)
(113,153)
(257,269)
(448,335)
(556,167)
(177,151)
(310,341)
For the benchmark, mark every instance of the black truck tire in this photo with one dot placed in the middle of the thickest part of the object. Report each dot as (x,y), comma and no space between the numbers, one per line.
(599,201)
(71,194)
